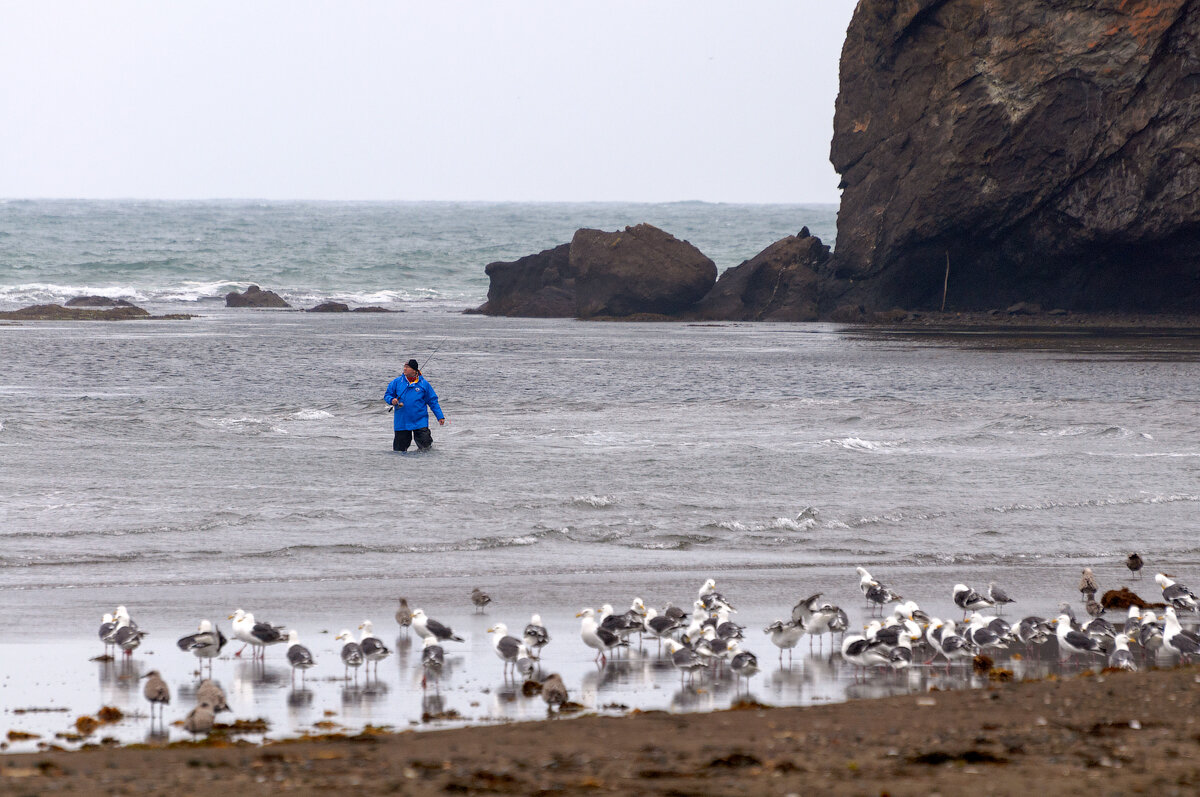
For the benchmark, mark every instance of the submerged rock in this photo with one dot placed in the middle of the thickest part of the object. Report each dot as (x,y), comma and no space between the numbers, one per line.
(1040,152)
(96,301)
(330,307)
(254,297)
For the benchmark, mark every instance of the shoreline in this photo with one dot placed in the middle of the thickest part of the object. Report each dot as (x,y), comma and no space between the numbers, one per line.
(1121,731)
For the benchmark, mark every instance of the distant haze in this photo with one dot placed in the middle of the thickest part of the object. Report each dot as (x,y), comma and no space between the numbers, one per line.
(544,100)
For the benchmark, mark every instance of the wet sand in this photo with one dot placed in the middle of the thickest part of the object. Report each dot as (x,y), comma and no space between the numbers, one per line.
(1109,733)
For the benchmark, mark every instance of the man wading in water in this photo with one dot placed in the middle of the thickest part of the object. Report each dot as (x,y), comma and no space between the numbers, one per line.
(412,397)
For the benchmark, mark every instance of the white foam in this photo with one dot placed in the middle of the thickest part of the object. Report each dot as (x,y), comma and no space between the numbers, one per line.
(594,500)
(859,444)
(786,523)
(310,415)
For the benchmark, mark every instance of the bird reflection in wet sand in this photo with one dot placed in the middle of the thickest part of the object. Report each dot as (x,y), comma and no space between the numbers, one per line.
(300,698)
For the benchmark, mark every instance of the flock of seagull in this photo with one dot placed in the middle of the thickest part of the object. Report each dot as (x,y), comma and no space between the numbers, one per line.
(706,638)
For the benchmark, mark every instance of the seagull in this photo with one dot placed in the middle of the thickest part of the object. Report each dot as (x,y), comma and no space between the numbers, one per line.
(1071,641)
(600,639)
(1088,585)
(425,626)
(744,664)
(1093,607)
(352,653)
(372,646)
(1184,643)
(157,692)
(481,599)
(1121,658)
(554,692)
(108,627)
(433,659)
(508,648)
(661,626)
(404,616)
(535,637)
(997,596)
(954,646)
(126,636)
(1150,634)
(875,592)
(1134,563)
(300,657)
(200,719)
(255,634)
(968,599)
(208,692)
(686,660)
(784,636)
(1176,594)
(206,643)
(1032,631)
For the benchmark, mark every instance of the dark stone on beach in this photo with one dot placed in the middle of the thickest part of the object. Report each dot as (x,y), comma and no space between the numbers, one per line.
(777,284)
(1043,151)
(96,301)
(637,270)
(254,297)
(56,312)
(330,307)
(536,286)
(1024,308)
(374,309)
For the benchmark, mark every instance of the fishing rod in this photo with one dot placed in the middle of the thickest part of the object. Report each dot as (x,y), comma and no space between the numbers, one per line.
(427,359)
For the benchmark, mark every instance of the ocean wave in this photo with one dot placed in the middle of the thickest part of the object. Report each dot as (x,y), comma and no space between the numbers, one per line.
(859,444)
(1095,502)
(790,524)
(597,501)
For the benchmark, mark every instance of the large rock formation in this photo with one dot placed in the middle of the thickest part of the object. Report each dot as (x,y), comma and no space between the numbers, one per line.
(1049,149)
(536,286)
(777,284)
(254,296)
(638,270)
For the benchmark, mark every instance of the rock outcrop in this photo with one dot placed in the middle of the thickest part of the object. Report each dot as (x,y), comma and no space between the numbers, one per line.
(96,301)
(536,286)
(56,312)
(777,284)
(329,307)
(638,270)
(254,297)
(1046,150)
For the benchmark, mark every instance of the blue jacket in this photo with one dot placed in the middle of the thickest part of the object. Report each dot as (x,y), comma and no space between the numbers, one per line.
(418,398)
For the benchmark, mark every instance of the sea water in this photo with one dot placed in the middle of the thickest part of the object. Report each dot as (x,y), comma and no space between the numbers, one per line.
(242,459)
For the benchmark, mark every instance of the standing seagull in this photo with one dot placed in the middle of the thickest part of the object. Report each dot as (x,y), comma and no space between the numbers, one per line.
(998,597)
(108,627)
(535,637)
(481,599)
(968,599)
(127,636)
(256,635)
(404,616)
(1134,563)
(426,626)
(1121,658)
(744,665)
(1176,594)
(1185,643)
(157,692)
(508,648)
(205,644)
(352,654)
(300,657)
(372,646)
(208,692)
(599,639)
(554,692)
(1071,641)
(433,658)
(1088,585)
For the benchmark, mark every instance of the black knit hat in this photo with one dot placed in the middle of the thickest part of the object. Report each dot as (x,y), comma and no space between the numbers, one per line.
(413,365)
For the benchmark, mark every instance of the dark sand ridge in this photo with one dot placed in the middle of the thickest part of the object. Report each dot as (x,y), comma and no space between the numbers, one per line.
(1108,733)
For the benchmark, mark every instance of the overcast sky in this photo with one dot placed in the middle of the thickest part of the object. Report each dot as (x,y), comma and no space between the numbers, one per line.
(387,99)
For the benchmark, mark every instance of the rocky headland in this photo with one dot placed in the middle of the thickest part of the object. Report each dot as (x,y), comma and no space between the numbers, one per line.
(57,312)
(1041,152)
(992,155)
